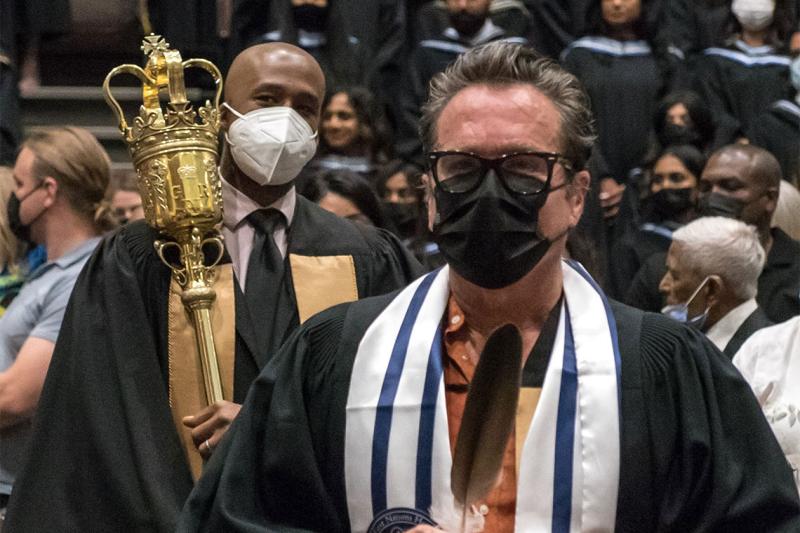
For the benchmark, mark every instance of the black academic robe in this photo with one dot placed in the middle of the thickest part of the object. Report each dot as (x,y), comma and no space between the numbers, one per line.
(365,41)
(105,455)
(624,84)
(684,409)
(428,58)
(629,253)
(739,83)
(756,321)
(778,130)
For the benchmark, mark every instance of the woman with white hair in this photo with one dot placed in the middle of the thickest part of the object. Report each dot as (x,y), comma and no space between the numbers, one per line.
(711,282)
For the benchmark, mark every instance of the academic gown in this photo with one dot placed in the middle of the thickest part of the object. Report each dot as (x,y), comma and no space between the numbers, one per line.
(778,130)
(684,410)
(739,83)
(105,455)
(624,82)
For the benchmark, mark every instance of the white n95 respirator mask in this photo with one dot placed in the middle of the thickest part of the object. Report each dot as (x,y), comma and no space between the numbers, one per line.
(754,15)
(271,145)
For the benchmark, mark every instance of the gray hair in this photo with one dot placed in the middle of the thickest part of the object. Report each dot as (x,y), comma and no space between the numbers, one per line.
(725,247)
(503,63)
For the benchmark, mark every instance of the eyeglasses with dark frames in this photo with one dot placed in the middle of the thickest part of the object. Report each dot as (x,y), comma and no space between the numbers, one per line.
(524,173)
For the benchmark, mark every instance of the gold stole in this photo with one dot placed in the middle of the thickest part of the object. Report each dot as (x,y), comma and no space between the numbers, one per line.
(319,283)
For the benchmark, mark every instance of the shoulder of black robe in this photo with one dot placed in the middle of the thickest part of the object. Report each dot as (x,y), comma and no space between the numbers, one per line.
(643,292)
(697,452)
(382,263)
(779,282)
(104,452)
(778,130)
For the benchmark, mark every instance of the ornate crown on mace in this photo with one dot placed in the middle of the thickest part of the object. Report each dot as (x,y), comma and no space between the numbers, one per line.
(174,151)
(175,147)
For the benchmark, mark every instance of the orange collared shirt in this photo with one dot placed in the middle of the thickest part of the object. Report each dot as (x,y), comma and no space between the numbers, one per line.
(499,507)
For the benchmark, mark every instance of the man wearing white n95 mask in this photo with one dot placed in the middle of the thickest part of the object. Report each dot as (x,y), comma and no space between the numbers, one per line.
(137,454)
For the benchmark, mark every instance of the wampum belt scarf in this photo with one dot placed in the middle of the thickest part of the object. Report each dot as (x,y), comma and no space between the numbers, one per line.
(397,447)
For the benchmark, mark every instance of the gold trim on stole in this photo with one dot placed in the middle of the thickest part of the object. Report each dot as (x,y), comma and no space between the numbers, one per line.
(321,282)
(186,390)
(526,407)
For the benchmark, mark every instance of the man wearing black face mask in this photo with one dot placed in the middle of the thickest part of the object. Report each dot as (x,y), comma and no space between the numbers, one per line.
(352,427)
(743,182)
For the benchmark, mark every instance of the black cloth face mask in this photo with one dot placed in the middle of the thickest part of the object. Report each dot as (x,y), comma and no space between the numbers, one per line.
(405,217)
(466,23)
(21,231)
(669,204)
(310,18)
(720,205)
(675,134)
(489,236)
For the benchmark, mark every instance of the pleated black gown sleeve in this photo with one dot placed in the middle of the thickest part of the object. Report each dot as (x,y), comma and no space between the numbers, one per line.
(281,466)
(697,453)
(104,452)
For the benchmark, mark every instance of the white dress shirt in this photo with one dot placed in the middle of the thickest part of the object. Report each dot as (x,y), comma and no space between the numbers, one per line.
(770,362)
(723,331)
(239,233)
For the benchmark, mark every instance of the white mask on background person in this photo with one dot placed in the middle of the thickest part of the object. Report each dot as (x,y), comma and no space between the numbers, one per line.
(271,145)
(754,15)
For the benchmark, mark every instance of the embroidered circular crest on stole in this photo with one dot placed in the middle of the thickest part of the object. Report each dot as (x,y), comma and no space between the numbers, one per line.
(399,519)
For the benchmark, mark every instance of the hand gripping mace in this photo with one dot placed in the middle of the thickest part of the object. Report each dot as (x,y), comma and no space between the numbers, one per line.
(175,153)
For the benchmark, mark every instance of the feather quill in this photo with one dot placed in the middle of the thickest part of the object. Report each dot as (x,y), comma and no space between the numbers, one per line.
(488,419)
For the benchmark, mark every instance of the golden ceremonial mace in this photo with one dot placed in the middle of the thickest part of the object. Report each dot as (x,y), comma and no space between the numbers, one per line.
(175,153)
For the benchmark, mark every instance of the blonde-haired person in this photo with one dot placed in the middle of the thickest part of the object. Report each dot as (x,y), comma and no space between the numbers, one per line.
(60,177)
(123,193)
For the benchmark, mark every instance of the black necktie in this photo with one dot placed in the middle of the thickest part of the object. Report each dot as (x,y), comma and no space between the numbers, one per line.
(265,272)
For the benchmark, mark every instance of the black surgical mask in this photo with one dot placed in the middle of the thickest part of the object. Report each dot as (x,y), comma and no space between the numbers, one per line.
(404,217)
(21,231)
(490,236)
(669,204)
(310,18)
(720,205)
(676,134)
(466,23)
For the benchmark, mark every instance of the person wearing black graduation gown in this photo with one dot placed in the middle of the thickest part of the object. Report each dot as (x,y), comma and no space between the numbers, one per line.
(671,203)
(466,28)
(778,130)
(356,42)
(623,77)
(741,78)
(120,463)
(289,463)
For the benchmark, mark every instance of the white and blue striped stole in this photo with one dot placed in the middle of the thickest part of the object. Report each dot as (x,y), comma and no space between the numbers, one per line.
(397,445)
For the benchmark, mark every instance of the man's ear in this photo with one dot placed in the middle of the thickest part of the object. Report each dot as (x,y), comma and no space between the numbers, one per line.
(716,288)
(771,195)
(225,118)
(50,185)
(576,194)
